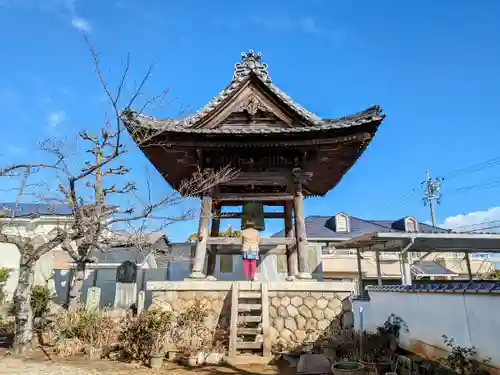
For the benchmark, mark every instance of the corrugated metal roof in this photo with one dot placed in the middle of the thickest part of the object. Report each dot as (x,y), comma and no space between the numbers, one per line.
(430,268)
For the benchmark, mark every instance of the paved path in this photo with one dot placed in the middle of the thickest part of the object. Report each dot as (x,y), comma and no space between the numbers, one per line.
(15,366)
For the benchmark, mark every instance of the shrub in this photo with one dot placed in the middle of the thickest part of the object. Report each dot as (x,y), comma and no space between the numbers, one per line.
(146,334)
(4,275)
(41,298)
(191,335)
(463,360)
(94,333)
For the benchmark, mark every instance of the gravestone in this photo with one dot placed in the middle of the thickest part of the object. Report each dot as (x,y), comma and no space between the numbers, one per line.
(140,301)
(93,298)
(126,285)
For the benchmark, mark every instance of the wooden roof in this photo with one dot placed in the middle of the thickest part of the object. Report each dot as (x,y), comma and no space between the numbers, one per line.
(252,112)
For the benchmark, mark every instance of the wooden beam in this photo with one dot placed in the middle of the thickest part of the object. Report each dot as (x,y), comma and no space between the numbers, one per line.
(269,241)
(202,141)
(291,251)
(238,215)
(233,331)
(236,250)
(259,178)
(264,197)
(235,203)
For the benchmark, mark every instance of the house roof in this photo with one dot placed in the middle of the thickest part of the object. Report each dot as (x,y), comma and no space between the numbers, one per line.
(127,250)
(324,227)
(33,210)
(251,68)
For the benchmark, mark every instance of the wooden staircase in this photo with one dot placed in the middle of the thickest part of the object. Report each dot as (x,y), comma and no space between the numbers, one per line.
(250,329)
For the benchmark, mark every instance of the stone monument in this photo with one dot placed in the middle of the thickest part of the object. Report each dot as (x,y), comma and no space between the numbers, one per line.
(126,285)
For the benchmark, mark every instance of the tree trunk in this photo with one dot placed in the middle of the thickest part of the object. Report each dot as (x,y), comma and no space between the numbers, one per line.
(75,292)
(22,308)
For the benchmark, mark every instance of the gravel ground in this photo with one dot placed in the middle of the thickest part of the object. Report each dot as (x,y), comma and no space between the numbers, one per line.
(43,366)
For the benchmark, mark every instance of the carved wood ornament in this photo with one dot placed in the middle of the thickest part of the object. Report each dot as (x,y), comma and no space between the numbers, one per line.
(252,105)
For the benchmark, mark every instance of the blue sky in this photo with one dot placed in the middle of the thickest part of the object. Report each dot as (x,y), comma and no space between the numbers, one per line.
(432,65)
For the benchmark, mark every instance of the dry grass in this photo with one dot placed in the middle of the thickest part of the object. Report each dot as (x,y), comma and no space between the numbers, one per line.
(93,333)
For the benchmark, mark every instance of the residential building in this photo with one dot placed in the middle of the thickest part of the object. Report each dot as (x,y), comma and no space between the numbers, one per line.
(341,265)
(28,219)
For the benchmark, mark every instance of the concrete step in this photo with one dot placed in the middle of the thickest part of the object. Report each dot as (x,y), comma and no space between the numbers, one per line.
(249,331)
(243,345)
(250,295)
(250,318)
(245,307)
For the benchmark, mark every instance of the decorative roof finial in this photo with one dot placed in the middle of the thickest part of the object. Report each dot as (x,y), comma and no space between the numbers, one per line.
(251,62)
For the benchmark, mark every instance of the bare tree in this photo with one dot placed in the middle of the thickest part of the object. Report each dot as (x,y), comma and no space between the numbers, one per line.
(94,220)
(31,247)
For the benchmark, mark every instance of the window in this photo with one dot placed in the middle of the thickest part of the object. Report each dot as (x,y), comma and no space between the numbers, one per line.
(341,223)
(226,263)
(411,224)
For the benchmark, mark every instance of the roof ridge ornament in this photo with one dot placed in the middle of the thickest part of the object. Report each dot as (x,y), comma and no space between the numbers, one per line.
(251,62)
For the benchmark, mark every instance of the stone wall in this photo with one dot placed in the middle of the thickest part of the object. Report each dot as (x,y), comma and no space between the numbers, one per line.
(299,316)
(297,310)
(217,303)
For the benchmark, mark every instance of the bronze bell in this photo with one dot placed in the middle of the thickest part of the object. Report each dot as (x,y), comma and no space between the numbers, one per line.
(255,212)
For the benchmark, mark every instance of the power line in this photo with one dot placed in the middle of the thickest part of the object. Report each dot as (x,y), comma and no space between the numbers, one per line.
(473,168)
(485,185)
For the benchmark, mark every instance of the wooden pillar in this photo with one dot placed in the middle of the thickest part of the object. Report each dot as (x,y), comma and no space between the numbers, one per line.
(300,232)
(201,244)
(361,288)
(379,272)
(469,268)
(212,255)
(291,250)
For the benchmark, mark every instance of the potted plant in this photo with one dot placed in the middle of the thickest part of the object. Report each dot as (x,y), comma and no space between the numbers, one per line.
(348,368)
(158,328)
(374,352)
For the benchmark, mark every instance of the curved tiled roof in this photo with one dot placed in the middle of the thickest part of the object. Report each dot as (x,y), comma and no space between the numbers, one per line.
(252,67)
(370,115)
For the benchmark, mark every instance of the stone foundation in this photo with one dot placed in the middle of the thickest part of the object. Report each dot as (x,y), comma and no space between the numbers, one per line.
(300,316)
(298,311)
(217,302)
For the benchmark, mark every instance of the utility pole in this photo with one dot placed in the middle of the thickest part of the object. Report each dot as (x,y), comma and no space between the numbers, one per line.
(432,192)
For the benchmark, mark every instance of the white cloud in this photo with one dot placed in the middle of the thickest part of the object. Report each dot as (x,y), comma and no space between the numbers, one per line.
(477,221)
(63,8)
(81,24)
(55,119)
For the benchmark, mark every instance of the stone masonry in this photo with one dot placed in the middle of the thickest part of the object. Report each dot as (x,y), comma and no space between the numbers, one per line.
(297,310)
(298,316)
(216,302)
